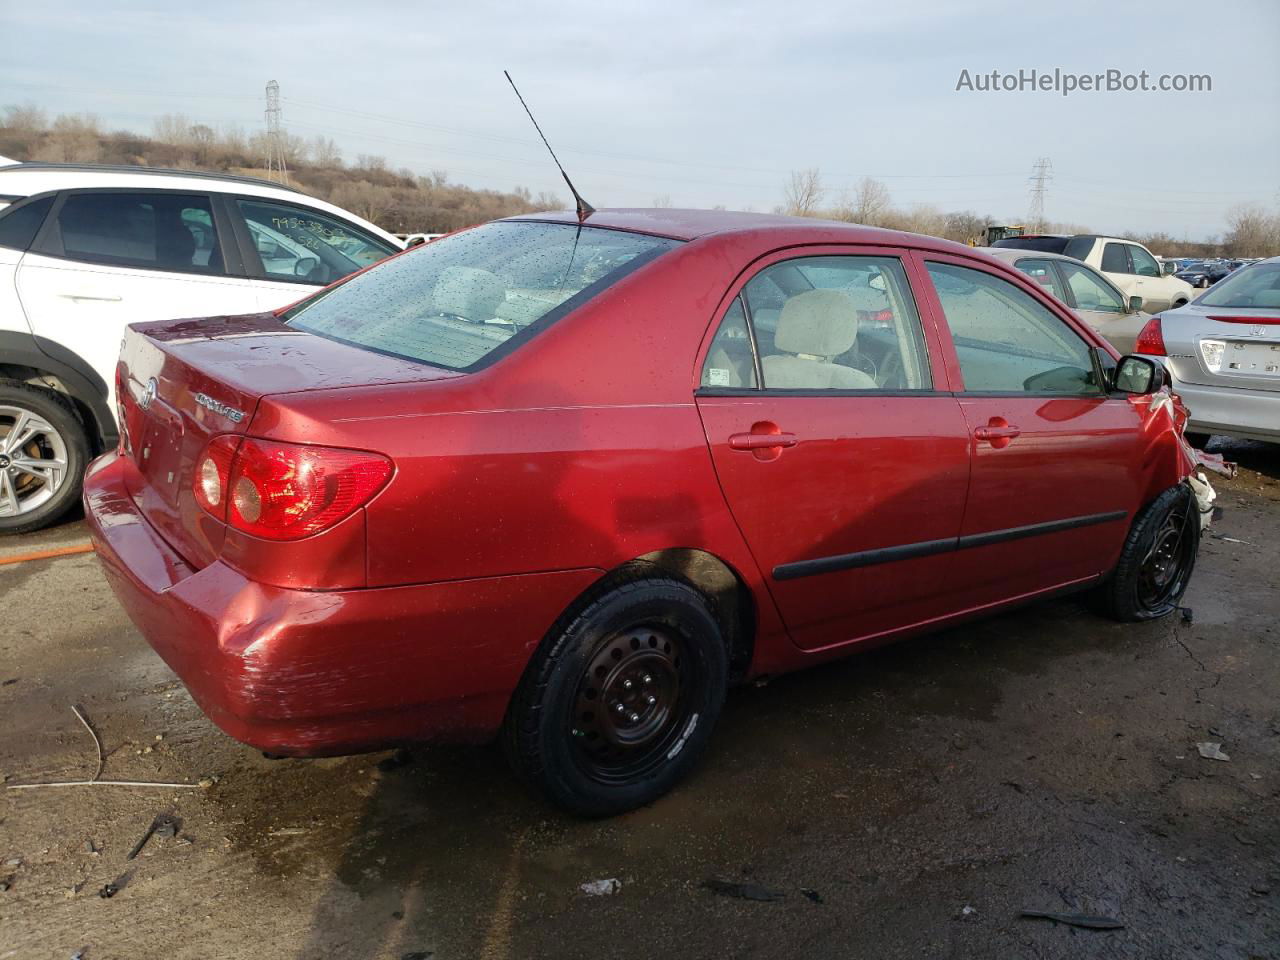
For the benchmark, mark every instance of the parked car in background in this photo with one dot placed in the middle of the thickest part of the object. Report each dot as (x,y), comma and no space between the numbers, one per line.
(1204,273)
(1128,265)
(564,482)
(414,239)
(1223,351)
(85,250)
(1095,298)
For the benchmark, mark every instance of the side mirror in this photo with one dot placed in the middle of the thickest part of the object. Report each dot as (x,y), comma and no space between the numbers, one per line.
(303,266)
(1135,304)
(1170,268)
(1139,376)
(417,241)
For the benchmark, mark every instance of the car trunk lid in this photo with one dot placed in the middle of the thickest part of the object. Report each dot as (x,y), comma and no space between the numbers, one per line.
(1249,357)
(183,382)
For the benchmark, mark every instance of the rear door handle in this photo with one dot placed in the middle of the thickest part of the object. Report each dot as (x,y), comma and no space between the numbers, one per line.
(761,441)
(89,296)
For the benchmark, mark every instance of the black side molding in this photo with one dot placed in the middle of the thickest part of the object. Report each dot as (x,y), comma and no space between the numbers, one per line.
(925,548)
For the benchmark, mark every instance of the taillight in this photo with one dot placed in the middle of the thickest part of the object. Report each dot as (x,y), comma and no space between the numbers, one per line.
(285,491)
(213,472)
(1151,339)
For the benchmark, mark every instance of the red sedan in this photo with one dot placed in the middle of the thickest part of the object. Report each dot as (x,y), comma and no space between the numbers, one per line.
(566,482)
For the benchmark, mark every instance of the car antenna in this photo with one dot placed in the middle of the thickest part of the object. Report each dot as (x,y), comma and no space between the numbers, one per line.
(584,209)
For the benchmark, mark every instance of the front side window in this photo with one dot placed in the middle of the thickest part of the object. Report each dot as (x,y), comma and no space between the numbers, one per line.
(1254,286)
(1144,264)
(1007,342)
(138,230)
(837,323)
(1090,291)
(453,302)
(295,243)
(1041,271)
(1115,259)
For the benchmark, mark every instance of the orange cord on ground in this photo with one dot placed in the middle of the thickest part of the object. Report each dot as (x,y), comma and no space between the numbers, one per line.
(47,554)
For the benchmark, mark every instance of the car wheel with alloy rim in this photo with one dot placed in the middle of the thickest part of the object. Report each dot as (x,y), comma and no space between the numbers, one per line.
(43,452)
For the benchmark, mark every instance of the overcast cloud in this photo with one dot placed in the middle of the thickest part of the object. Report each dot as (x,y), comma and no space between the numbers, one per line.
(709,103)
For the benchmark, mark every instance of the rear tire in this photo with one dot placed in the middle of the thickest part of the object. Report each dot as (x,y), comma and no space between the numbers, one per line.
(42,470)
(1157,559)
(618,705)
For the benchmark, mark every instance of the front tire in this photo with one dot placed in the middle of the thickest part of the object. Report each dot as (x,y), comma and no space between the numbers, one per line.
(1157,559)
(43,453)
(617,706)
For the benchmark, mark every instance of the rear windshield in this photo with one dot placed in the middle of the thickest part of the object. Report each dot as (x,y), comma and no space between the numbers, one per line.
(454,302)
(1255,286)
(1042,244)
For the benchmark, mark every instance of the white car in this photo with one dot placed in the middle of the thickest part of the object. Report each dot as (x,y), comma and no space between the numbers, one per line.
(86,250)
(1127,264)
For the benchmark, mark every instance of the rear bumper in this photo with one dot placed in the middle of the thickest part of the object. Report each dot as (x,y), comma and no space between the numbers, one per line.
(1249,414)
(307,673)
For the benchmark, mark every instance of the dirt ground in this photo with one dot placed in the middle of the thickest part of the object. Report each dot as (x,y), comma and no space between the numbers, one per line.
(908,802)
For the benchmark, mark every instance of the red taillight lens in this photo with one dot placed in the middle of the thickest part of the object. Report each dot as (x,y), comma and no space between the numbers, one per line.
(1151,339)
(213,470)
(286,491)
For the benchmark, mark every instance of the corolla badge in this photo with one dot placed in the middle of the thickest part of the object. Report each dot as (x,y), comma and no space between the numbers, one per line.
(148,394)
(217,406)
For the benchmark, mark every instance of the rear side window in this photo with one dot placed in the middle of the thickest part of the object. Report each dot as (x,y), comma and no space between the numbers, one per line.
(1007,342)
(18,226)
(295,243)
(1115,259)
(731,361)
(457,300)
(1079,247)
(837,323)
(1041,271)
(153,230)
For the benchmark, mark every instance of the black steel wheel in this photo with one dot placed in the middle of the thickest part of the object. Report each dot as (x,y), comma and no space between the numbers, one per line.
(618,704)
(1157,559)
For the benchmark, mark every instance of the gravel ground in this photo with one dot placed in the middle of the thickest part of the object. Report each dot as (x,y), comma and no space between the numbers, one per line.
(908,802)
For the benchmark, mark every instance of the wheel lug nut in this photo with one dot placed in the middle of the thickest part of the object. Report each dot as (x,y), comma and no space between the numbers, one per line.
(635,717)
(651,700)
(627,684)
(618,707)
(648,679)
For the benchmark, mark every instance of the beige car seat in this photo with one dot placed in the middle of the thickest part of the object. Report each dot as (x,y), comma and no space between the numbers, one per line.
(814,327)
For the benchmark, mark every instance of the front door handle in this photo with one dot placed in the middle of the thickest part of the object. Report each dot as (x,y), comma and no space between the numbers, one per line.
(997,432)
(761,441)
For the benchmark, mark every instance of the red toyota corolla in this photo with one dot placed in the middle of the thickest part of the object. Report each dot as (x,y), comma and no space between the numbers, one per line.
(566,482)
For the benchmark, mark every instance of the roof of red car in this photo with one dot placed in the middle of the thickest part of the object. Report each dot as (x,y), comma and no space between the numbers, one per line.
(691,224)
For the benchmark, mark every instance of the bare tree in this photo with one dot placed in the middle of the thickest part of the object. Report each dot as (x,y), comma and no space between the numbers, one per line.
(1252,231)
(25,119)
(74,138)
(803,193)
(325,152)
(870,204)
(662,200)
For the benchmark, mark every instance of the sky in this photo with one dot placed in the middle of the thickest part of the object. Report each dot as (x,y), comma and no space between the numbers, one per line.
(709,103)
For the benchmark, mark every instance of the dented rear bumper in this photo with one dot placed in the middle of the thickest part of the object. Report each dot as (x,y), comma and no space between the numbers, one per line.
(309,673)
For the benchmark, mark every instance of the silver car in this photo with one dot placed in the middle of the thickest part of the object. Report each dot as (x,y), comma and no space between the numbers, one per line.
(1097,300)
(1223,350)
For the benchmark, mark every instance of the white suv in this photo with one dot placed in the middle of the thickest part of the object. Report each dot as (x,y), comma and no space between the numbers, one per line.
(85,250)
